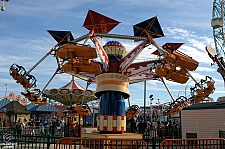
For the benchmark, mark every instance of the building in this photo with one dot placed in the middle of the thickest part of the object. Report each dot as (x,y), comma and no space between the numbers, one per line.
(42,112)
(14,110)
(203,120)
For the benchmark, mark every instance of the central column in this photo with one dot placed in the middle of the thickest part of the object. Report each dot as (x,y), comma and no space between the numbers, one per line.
(112,89)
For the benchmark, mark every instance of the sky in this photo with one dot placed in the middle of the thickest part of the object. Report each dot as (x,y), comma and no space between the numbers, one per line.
(24,39)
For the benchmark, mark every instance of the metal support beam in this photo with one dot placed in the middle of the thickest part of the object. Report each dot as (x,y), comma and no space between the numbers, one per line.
(136,38)
(167,88)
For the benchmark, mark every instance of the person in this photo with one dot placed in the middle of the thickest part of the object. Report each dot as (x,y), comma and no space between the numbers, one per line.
(52,127)
(19,127)
(37,123)
(72,126)
(159,130)
(8,123)
(46,127)
(4,123)
(89,124)
(8,137)
(1,124)
(32,126)
(24,123)
(142,126)
(62,126)
(27,128)
(133,126)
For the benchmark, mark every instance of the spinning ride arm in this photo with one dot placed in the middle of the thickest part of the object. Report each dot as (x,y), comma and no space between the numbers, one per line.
(23,77)
(137,68)
(126,61)
(36,96)
(102,54)
(98,23)
(42,59)
(61,37)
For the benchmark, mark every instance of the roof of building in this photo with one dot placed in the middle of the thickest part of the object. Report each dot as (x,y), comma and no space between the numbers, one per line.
(4,102)
(48,108)
(2,111)
(30,105)
(206,105)
(14,107)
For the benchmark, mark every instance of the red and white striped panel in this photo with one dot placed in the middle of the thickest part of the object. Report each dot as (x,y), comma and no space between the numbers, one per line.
(109,123)
(73,85)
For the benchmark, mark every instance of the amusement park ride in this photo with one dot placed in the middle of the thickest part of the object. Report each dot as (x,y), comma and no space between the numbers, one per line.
(3,6)
(217,24)
(116,69)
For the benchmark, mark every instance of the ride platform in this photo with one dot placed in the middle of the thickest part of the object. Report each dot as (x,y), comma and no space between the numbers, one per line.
(96,134)
(127,136)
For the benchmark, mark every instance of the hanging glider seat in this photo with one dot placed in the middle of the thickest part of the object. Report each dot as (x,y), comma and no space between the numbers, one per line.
(132,112)
(185,62)
(41,101)
(171,58)
(177,77)
(76,66)
(72,51)
(32,96)
(199,96)
(162,72)
(82,110)
(22,77)
(209,89)
(17,72)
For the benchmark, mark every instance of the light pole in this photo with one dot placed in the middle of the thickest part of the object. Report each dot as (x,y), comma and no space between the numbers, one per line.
(151,98)
(6,89)
(144,97)
(157,114)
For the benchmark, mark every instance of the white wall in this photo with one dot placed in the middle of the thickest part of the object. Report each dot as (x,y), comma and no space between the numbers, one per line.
(206,122)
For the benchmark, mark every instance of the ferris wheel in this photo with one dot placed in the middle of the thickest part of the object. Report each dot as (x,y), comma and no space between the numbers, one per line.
(217,24)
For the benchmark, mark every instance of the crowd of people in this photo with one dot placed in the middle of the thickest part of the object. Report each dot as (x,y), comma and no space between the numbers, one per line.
(36,126)
(158,129)
(56,126)
(50,126)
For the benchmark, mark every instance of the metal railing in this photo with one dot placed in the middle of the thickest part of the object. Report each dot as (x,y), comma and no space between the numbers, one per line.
(151,139)
(43,134)
(100,143)
(14,141)
(193,143)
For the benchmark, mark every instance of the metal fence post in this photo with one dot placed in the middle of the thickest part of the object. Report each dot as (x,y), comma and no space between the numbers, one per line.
(153,143)
(48,141)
